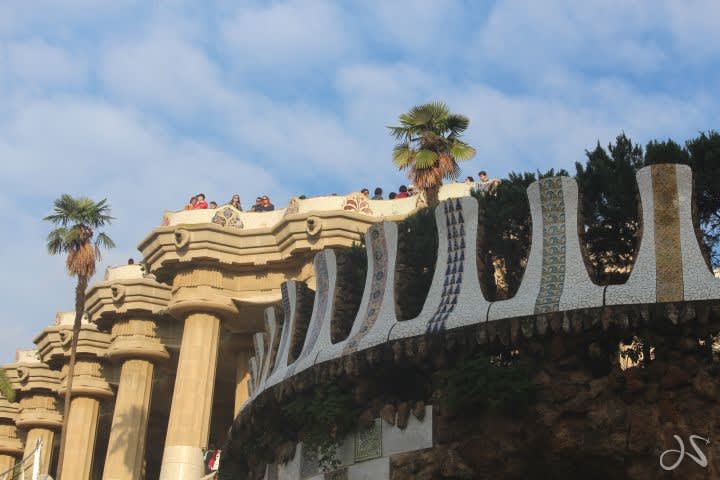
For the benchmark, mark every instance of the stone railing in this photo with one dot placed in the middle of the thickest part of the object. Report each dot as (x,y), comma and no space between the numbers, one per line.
(669,268)
(227,215)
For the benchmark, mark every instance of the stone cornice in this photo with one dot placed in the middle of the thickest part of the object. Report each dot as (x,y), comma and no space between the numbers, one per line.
(166,248)
(53,343)
(111,299)
(28,374)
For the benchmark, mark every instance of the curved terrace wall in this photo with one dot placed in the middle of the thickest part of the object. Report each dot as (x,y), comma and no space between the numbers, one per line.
(556,293)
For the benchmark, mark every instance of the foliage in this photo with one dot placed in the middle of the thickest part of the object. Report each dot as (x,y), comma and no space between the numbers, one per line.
(324,416)
(6,388)
(500,383)
(429,145)
(417,255)
(351,272)
(609,205)
(505,219)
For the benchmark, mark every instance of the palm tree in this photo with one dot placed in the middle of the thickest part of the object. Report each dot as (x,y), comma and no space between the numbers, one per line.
(430,146)
(75,220)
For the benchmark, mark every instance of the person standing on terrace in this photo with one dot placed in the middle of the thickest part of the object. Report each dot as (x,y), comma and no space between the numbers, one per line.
(265,205)
(258,204)
(486,185)
(201,203)
(191,203)
(365,192)
(378,194)
(402,192)
(235,202)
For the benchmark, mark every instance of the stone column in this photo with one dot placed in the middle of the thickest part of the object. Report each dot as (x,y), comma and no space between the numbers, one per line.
(242,377)
(10,445)
(89,388)
(137,346)
(189,422)
(39,417)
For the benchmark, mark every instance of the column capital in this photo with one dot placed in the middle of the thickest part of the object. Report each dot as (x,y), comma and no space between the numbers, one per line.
(37,388)
(53,346)
(10,444)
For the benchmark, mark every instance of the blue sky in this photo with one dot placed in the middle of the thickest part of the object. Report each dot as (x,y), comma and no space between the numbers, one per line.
(146,103)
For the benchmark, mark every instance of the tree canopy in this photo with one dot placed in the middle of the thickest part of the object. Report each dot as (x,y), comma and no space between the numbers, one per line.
(429,145)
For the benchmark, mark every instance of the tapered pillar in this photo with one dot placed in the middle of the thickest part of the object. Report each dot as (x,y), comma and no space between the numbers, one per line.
(135,344)
(39,416)
(242,377)
(81,433)
(47,437)
(10,445)
(89,388)
(189,422)
(7,462)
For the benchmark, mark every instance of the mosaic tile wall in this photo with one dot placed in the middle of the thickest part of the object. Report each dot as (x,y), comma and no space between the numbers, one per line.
(378,286)
(553,251)
(455,223)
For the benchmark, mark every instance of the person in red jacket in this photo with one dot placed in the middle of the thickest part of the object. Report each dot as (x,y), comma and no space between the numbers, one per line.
(201,203)
(403,192)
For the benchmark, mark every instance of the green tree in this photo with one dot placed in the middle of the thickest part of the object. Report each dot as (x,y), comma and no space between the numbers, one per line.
(429,145)
(75,221)
(609,208)
(505,232)
(6,389)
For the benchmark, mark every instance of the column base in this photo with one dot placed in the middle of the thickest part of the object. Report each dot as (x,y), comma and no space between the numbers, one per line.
(182,462)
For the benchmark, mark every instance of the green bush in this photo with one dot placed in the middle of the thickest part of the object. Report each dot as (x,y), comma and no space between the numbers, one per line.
(499,383)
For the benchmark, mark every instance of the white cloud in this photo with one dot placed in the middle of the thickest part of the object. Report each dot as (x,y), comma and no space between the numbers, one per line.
(36,63)
(288,36)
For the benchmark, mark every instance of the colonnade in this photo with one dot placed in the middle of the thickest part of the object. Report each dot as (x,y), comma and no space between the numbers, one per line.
(132,328)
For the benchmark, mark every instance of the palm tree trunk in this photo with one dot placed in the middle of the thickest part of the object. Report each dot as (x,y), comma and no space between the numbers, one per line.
(79,311)
(432,196)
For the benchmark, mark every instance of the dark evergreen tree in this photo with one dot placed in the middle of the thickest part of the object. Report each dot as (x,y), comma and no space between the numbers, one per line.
(609,208)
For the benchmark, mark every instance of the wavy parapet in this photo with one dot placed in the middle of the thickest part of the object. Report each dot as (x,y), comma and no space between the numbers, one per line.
(669,268)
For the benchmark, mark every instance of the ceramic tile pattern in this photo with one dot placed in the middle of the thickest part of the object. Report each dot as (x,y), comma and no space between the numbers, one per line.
(452,281)
(668,257)
(553,259)
(368,443)
(227,217)
(309,463)
(340,474)
(377,287)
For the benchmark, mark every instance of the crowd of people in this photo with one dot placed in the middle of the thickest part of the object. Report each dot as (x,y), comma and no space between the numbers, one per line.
(262,204)
(484,185)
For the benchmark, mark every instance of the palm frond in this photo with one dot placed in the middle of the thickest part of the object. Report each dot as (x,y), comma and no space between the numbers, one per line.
(425,159)
(56,243)
(461,151)
(103,241)
(402,155)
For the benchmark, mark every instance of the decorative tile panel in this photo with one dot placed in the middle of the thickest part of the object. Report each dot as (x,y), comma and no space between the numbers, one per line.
(340,474)
(668,259)
(368,443)
(227,216)
(553,258)
(357,203)
(452,281)
(322,294)
(309,465)
(377,287)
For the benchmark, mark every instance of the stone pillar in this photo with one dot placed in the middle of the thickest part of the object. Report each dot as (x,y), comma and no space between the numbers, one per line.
(80,441)
(192,400)
(39,417)
(47,437)
(89,388)
(137,346)
(7,462)
(10,445)
(242,377)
